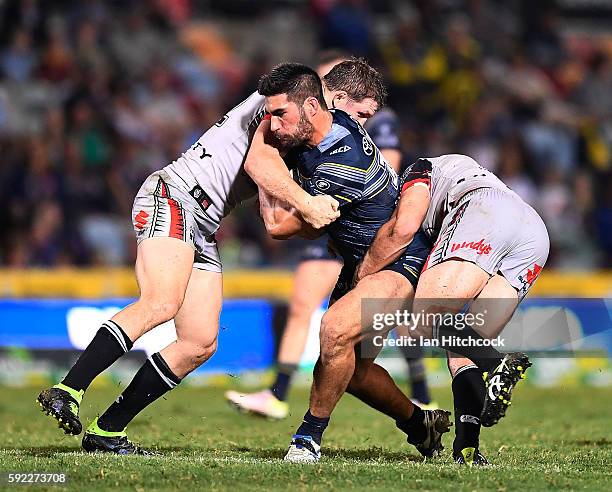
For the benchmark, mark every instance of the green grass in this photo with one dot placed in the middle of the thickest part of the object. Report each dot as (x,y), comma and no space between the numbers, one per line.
(553,438)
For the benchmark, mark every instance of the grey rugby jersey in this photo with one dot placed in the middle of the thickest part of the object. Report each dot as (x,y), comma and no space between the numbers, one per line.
(212,170)
(448,177)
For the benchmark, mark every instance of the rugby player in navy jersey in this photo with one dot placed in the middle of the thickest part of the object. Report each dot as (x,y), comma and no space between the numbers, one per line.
(319,268)
(332,155)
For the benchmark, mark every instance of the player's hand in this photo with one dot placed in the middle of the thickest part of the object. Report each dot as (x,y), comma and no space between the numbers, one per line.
(320,210)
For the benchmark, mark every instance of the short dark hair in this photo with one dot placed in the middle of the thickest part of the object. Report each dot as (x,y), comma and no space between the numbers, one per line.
(358,79)
(298,81)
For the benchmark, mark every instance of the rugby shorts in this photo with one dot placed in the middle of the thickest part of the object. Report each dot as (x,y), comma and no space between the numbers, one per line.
(496,230)
(161,209)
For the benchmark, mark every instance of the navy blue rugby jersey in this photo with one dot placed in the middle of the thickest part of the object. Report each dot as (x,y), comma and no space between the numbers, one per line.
(349,167)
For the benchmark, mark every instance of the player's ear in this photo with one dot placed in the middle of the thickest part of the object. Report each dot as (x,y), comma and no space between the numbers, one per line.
(339,99)
(311,106)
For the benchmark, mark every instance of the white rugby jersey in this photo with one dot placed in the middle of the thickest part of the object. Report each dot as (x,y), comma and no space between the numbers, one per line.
(448,178)
(212,170)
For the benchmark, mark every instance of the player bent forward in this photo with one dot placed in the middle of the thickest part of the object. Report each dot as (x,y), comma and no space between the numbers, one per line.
(490,247)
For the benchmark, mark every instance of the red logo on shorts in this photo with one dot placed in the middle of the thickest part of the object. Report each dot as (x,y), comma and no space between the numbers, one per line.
(480,247)
(141,219)
(532,275)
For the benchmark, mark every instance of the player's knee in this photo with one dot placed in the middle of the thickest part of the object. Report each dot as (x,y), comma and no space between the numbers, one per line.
(334,338)
(199,351)
(162,310)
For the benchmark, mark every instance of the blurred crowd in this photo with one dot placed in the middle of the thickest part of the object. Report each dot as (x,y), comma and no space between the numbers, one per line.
(95,95)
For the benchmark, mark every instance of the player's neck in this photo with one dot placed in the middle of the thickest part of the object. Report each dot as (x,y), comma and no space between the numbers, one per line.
(322,123)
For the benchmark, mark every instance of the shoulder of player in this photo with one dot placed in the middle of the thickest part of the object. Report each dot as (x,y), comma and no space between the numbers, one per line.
(347,141)
(352,150)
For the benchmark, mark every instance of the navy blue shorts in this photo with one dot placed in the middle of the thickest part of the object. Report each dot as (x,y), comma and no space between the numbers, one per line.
(318,250)
(409,265)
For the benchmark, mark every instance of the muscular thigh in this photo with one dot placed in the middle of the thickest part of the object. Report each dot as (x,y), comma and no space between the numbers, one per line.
(198,319)
(496,302)
(446,288)
(163,268)
(383,292)
(451,279)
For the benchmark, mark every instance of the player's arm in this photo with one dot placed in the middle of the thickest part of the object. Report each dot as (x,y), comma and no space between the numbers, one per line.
(397,233)
(283,221)
(266,167)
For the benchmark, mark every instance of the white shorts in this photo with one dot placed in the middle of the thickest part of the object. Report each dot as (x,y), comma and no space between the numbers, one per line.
(164,210)
(497,231)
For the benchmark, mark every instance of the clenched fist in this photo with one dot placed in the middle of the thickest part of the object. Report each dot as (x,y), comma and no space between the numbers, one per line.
(320,210)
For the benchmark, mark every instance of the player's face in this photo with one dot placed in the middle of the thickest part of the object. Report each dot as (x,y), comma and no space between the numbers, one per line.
(288,122)
(359,110)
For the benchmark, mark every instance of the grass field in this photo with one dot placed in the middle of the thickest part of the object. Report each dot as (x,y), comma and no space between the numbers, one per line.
(553,438)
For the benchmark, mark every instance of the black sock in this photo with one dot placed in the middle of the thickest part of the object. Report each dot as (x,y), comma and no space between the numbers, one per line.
(151,381)
(414,426)
(486,357)
(469,394)
(313,426)
(283,380)
(109,343)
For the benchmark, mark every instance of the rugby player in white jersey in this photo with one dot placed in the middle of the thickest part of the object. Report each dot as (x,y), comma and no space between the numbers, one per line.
(175,215)
(490,247)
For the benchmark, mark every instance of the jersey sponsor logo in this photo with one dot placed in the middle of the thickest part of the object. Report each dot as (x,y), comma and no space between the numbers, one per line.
(204,153)
(204,201)
(368,148)
(322,184)
(141,219)
(340,150)
(480,247)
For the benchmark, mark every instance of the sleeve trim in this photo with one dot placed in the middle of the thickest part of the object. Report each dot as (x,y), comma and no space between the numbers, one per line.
(419,181)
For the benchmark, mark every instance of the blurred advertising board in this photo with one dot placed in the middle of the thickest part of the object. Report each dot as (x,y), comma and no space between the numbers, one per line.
(47,334)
